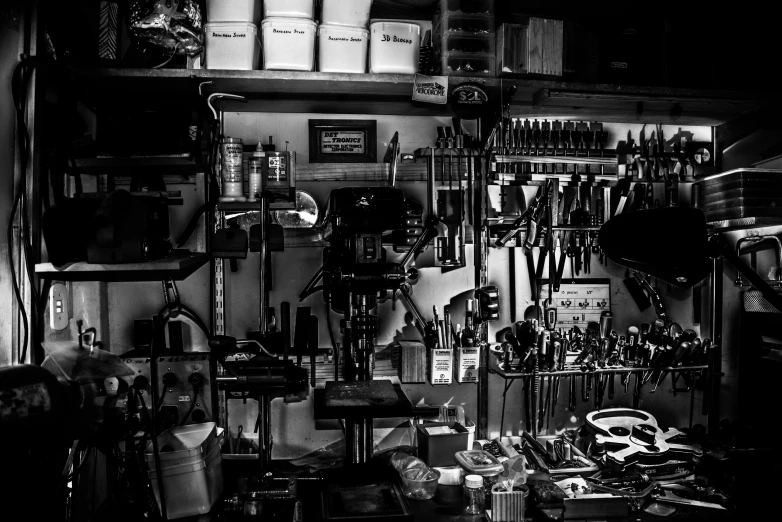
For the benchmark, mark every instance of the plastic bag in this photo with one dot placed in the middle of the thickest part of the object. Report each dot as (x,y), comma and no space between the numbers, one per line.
(173,25)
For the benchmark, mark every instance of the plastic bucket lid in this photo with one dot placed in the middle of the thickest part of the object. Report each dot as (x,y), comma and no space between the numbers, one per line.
(342,30)
(184,441)
(217,26)
(214,449)
(396,26)
(277,21)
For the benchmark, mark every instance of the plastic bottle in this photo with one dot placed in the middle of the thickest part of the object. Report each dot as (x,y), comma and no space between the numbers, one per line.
(474,495)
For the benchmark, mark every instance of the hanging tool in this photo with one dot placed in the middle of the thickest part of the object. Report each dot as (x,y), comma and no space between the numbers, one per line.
(567,141)
(556,130)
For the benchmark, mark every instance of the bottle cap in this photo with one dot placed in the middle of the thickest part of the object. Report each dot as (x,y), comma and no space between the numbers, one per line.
(473,481)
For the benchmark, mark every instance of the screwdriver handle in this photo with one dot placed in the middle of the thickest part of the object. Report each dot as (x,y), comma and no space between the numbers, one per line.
(550,317)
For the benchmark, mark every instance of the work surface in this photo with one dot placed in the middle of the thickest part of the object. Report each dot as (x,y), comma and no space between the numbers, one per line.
(447,506)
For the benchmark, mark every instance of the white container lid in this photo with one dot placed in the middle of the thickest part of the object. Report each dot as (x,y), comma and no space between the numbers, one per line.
(278,21)
(342,29)
(473,481)
(397,26)
(216,26)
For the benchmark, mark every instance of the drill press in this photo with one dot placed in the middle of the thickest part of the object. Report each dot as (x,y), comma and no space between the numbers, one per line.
(355,274)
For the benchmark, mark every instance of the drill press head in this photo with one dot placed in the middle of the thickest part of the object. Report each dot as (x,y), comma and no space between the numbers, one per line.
(357,219)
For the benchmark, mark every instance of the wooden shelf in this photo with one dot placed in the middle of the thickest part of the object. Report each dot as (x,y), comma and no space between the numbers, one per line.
(316,92)
(267,91)
(622,103)
(139,165)
(177,266)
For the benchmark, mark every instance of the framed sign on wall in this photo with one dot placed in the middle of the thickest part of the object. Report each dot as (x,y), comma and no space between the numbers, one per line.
(343,141)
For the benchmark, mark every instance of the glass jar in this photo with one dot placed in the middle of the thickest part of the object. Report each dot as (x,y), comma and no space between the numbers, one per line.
(474,495)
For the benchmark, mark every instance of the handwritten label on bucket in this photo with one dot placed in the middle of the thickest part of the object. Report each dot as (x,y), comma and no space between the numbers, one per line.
(395,38)
(430,89)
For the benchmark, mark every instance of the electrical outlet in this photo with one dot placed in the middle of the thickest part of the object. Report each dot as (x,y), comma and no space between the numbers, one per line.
(58,307)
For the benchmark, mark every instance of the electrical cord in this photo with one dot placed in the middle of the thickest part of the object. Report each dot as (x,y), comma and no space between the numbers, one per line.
(78,467)
(176,48)
(19,85)
(162,397)
(171,310)
(192,406)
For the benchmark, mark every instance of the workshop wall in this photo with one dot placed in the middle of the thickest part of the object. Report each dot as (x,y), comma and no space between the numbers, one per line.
(669,410)
(294,430)
(10,45)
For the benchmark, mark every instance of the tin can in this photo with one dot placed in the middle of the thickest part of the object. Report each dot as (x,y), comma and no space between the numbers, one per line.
(277,170)
(231,166)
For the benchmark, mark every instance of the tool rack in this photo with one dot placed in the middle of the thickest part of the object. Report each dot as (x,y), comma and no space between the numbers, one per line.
(389,94)
(572,371)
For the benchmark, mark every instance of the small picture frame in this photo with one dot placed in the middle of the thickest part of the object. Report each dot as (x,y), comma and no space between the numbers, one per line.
(343,141)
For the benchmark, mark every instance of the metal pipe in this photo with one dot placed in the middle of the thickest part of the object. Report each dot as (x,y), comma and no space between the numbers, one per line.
(407,299)
(263,290)
(715,355)
(430,192)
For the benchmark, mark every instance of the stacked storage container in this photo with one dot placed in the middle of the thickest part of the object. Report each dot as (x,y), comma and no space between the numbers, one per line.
(394,47)
(343,38)
(232,34)
(288,35)
(463,38)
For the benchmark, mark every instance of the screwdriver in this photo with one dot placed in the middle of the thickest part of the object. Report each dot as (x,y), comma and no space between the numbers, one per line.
(556,129)
(632,348)
(545,132)
(567,141)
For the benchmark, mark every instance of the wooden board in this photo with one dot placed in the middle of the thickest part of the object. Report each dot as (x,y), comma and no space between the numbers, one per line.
(316,92)
(177,266)
(368,399)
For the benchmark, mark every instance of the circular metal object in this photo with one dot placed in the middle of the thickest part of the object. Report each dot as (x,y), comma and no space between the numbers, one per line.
(305,215)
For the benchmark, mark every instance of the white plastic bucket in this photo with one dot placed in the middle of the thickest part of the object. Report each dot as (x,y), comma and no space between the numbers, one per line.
(170,459)
(233,11)
(288,8)
(288,44)
(354,13)
(342,49)
(232,45)
(191,489)
(394,47)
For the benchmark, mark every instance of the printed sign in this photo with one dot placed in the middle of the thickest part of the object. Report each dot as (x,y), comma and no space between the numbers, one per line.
(579,303)
(342,142)
(430,89)
(469,94)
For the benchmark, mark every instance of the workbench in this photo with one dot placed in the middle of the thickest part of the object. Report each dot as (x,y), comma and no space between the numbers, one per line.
(447,506)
